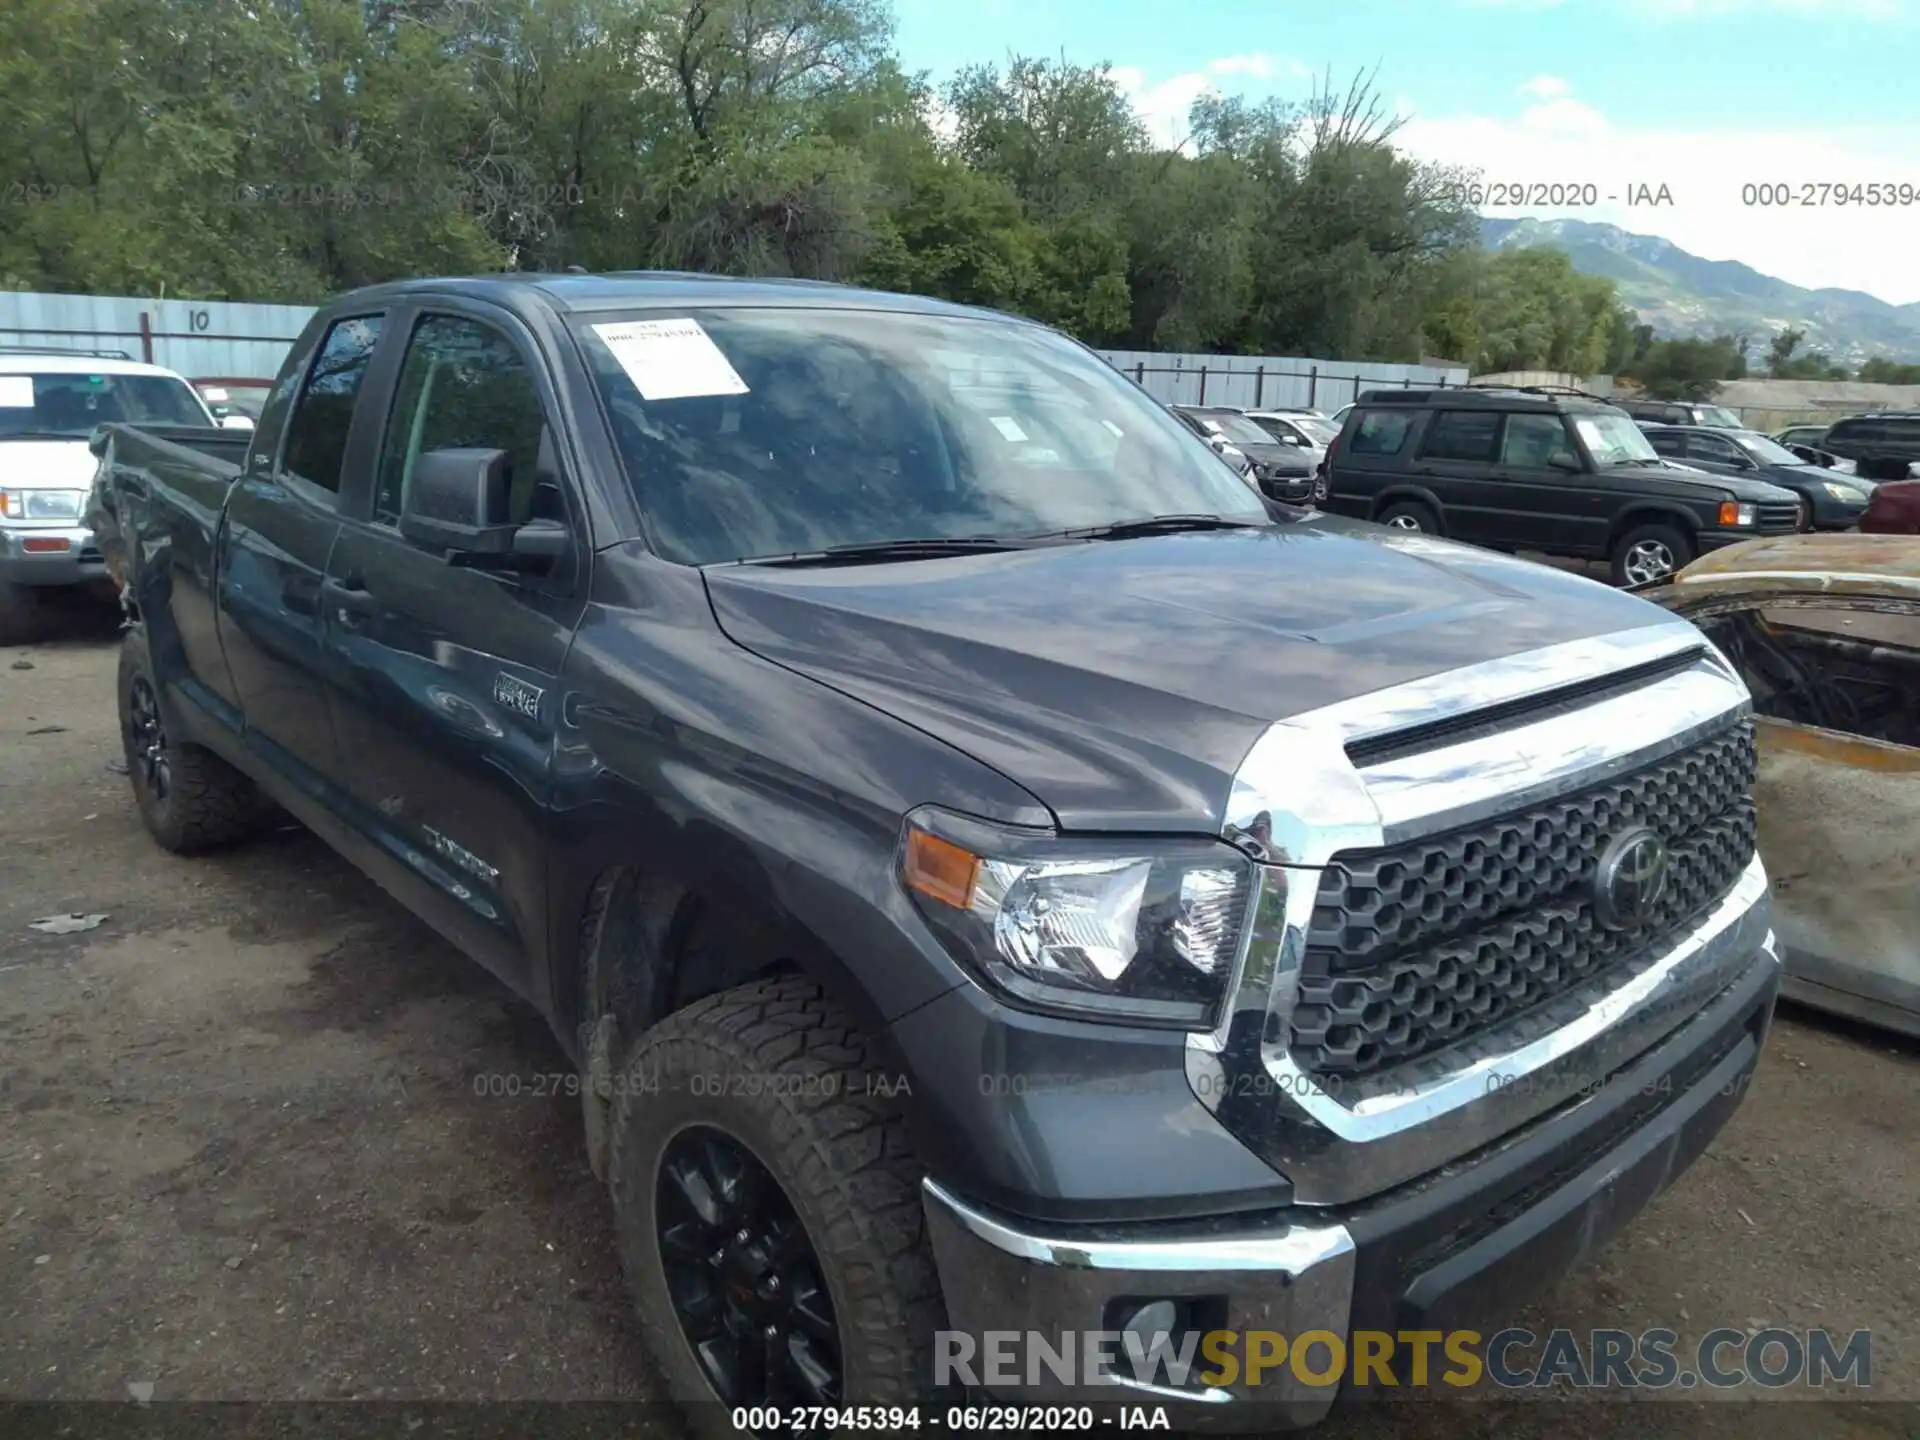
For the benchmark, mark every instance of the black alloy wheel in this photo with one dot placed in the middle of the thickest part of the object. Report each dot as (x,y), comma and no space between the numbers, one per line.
(147,748)
(745,1283)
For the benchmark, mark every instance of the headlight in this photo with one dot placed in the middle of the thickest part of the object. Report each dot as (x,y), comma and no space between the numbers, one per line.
(1734,514)
(1842,492)
(42,504)
(1141,931)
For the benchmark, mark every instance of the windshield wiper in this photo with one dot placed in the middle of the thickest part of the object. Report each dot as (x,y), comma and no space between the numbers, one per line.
(1156,525)
(879,551)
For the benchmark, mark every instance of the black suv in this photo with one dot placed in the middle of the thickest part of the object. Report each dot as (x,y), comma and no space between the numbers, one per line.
(1883,445)
(1680,412)
(1523,470)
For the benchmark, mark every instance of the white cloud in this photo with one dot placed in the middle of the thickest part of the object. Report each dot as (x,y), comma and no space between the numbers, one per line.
(1566,142)
(1546,87)
(1711,9)
(1258,64)
(1163,104)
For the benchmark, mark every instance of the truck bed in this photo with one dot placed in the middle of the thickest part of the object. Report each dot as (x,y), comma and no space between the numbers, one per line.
(159,478)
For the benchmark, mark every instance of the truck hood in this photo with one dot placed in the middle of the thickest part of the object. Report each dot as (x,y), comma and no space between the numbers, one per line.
(1740,487)
(1122,682)
(47,464)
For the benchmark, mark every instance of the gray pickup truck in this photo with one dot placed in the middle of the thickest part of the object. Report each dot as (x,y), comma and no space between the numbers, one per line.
(992,869)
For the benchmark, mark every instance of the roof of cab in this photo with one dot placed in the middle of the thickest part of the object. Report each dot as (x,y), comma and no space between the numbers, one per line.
(1830,563)
(650,289)
(27,362)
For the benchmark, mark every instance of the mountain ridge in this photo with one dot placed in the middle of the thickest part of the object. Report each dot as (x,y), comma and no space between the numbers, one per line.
(1681,294)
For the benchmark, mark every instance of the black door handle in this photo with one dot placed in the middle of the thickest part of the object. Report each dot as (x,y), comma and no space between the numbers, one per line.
(350,593)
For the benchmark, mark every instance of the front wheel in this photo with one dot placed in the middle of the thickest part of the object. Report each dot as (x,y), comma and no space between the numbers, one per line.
(1650,553)
(768,1208)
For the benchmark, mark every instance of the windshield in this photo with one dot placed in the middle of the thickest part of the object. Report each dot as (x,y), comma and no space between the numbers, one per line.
(1718,418)
(749,433)
(1282,427)
(1614,439)
(68,406)
(1766,450)
(1237,428)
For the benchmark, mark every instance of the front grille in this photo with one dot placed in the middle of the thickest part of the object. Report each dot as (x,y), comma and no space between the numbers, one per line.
(1777,517)
(1419,946)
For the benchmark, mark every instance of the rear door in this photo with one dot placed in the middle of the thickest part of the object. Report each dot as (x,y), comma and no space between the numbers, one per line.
(445,693)
(282,518)
(1373,452)
(1457,460)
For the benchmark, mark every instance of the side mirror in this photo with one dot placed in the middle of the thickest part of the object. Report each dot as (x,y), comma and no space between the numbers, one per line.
(1565,461)
(97,441)
(458,502)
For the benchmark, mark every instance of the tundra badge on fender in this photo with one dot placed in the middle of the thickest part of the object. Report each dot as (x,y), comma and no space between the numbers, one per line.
(517,695)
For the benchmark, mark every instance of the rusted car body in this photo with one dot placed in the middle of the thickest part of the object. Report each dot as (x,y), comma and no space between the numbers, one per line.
(1826,630)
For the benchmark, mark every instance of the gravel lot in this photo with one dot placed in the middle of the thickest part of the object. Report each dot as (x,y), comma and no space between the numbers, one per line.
(243,1156)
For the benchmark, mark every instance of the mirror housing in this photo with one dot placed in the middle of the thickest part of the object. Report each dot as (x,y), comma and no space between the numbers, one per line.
(1564,461)
(459,502)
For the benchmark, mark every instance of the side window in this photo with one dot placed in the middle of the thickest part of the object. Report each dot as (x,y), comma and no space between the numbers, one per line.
(463,385)
(1470,435)
(1531,441)
(1665,442)
(1712,447)
(1380,432)
(317,434)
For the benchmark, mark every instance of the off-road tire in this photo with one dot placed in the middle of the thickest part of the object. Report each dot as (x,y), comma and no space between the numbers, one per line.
(20,616)
(1678,547)
(207,803)
(784,1071)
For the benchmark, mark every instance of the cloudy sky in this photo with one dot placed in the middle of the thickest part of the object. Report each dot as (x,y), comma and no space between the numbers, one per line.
(1705,97)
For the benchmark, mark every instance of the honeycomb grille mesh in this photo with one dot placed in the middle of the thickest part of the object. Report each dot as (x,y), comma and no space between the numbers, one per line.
(1420,946)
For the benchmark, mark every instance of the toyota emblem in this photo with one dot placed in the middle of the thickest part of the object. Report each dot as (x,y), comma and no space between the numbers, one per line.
(1632,878)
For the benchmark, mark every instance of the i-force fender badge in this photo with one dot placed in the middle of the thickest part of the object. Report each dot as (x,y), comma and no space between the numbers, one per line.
(460,855)
(517,695)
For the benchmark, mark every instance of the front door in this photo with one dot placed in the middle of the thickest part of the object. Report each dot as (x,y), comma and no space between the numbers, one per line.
(1548,506)
(282,519)
(445,677)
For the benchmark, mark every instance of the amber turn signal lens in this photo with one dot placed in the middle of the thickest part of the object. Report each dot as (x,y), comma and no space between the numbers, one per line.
(940,870)
(1729,513)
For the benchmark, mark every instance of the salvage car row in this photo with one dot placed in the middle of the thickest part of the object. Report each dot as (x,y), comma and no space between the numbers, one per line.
(991,865)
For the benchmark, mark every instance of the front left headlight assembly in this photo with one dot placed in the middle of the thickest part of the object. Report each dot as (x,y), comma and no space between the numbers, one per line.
(1141,931)
(42,504)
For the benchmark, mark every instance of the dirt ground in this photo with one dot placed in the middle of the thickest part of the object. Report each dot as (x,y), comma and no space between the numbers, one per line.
(243,1156)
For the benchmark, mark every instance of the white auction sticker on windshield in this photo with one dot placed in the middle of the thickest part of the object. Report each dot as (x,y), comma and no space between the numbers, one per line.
(1008,427)
(16,392)
(670,359)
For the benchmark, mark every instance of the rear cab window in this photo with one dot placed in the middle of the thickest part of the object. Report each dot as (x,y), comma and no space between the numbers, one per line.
(316,434)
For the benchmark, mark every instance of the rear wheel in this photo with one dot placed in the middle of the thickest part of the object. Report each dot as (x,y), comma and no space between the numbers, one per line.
(19,613)
(189,797)
(1648,553)
(1410,515)
(768,1208)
